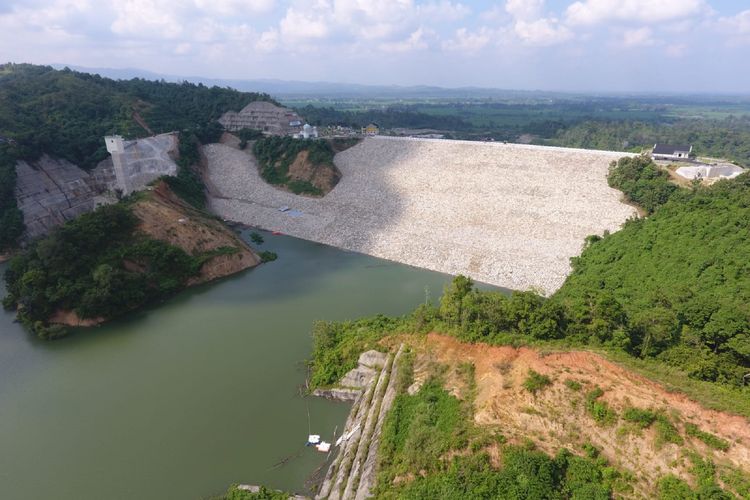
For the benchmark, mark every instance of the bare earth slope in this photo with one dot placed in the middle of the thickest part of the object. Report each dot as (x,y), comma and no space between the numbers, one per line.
(556,417)
(510,215)
(166,217)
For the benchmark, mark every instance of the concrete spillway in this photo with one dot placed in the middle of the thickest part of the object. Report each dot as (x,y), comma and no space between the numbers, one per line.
(352,474)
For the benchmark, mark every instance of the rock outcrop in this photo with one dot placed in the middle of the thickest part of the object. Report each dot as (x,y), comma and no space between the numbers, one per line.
(51,191)
(264,116)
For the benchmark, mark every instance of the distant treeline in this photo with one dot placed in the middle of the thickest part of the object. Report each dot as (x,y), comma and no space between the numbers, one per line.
(727,138)
(582,124)
(388,118)
(65,113)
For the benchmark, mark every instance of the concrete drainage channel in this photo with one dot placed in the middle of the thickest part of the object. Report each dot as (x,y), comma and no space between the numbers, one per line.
(352,473)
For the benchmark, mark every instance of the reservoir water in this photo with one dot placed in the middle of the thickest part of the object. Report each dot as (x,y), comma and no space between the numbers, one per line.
(181,400)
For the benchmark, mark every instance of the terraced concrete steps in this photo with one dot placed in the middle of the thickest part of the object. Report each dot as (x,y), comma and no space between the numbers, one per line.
(352,474)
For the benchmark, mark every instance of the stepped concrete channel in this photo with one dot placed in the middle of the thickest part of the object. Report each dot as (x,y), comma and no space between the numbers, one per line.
(352,473)
(509,215)
(371,385)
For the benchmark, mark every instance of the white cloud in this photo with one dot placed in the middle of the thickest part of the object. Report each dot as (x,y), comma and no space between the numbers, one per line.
(147,18)
(235,7)
(640,37)
(494,14)
(442,11)
(415,41)
(298,25)
(676,50)
(524,10)
(531,28)
(268,41)
(395,25)
(738,24)
(588,12)
(465,41)
(542,32)
(182,48)
(736,29)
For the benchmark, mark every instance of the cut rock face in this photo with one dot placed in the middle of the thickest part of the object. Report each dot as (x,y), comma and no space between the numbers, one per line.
(358,377)
(373,359)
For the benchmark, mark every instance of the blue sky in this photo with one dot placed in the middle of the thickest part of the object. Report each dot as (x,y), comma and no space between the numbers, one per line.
(578,45)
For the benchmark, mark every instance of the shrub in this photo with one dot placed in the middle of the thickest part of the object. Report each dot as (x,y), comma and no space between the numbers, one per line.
(535,382)
(640,417)
(256,238)
(266,256)
(666,432)
(711,440)
(234,493)
(573,385)
(600,411)
(673,488)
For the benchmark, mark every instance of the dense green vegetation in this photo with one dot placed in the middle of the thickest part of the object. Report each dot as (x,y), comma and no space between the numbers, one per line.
(11,218)
(674,286)
(97,266)
(234,493)
(709,439)
(66,114)
(535,382)
(276,154)
(248,134)
(337,346)
(187,184)
(725,138)
(643,183)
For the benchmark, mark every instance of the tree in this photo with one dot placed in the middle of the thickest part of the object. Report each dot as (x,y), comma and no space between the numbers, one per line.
(451,303)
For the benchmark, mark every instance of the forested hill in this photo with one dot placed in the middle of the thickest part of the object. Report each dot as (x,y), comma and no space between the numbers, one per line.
(66,113)
(726,138)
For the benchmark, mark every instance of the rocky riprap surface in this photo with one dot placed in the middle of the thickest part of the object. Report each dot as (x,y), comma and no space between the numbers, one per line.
(50,192)
(506,214)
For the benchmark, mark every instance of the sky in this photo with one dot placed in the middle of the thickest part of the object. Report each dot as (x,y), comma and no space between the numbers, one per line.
(566,45)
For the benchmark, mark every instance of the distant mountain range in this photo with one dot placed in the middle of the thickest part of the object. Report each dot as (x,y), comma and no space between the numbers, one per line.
(302,89)
(294,89)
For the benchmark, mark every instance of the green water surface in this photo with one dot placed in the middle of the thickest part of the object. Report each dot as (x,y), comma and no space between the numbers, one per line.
(183,399)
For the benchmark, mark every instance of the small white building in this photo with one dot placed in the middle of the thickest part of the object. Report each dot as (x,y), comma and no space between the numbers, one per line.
(308,132)
(671,152)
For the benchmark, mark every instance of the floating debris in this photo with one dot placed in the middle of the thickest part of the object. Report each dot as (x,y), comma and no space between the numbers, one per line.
(313,439)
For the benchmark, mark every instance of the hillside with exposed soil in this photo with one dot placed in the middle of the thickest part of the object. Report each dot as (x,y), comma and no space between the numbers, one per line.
(164,216)
(118,258)
(561,414)
(300,166)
